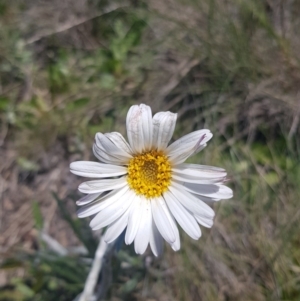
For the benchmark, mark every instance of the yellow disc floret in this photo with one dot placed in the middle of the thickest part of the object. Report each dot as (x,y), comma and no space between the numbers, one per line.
(149,173)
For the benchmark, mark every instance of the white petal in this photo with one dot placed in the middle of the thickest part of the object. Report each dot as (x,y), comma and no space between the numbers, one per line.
(163,219)
(134,219)
(214,191)
(190,138)
(102,156)
(163,129)
(100,204)
(116,228)
(88,199)
(204,221)
(189,179)
(201,175)
(139,128)
(112,212)
(110,148)
(96,170)
(190,202)
(96,186)
(199,171)
(184,218)
(156,241)
(119,141)
(176,245)
(205,198)
(188,145)
(144,231)
(133,126)
(147,126)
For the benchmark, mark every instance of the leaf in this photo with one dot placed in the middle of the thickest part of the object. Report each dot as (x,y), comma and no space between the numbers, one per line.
(25,290)
(242,166)
(27,165)
(37,215)
(107,81)
(4,102)
(130,285)
(11,263)
(10,295)
(272,178)
(78,103)
(79,227)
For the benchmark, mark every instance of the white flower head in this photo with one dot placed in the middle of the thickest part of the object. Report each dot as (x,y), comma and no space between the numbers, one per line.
(145,186)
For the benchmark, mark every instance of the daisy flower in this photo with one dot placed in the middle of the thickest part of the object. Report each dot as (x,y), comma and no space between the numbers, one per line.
(145,186)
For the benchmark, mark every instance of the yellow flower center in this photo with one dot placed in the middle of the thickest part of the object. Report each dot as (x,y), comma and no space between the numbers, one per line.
(149,173)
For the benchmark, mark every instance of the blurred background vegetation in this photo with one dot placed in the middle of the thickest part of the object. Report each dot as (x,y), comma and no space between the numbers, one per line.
(69,69)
